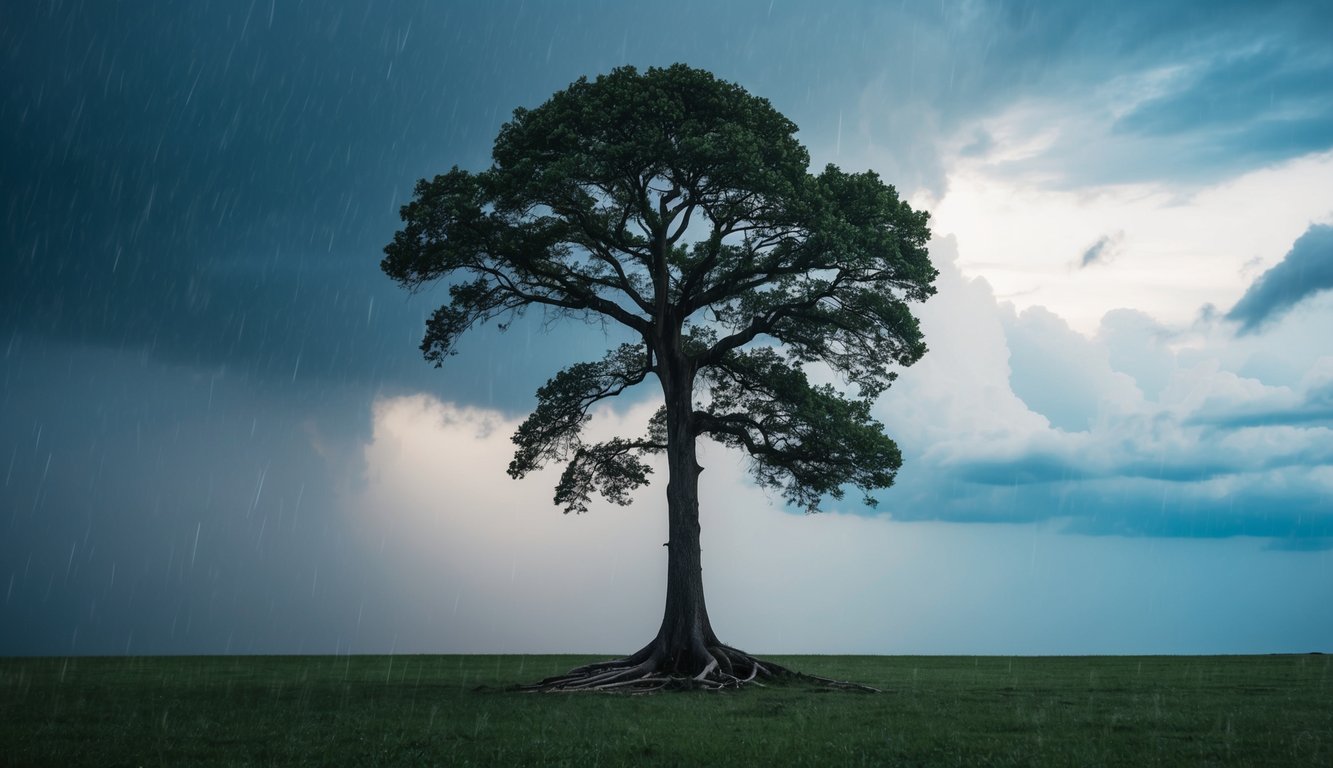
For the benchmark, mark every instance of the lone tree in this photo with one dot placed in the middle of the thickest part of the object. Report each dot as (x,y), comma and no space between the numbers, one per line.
(680,207)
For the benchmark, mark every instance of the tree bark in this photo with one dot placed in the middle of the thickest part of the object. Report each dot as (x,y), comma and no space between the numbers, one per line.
(684,639)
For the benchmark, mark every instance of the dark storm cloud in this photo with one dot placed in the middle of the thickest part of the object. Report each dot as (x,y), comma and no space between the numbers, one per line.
(1027,470)
(1306,270)
(1239,85)
(153,508)
(1314,409)
(1295,520)
(1255,104)
(1045,488)
(193,199)
(171,172)
(179,174)
(213,184)
(1040,467)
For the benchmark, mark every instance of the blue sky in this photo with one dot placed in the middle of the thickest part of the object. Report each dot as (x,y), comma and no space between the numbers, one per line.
(218,434)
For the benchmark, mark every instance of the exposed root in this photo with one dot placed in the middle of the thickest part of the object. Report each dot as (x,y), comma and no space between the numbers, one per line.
(647,671)
(828,682)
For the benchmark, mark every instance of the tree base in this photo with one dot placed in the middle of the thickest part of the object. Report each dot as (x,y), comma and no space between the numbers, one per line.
(652,669)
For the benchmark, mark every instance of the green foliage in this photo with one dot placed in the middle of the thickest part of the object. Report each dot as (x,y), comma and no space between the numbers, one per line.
(681,207)
(809,441)
(428,710)
(553,432)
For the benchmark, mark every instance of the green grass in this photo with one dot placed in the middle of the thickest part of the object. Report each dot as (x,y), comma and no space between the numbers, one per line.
(424,710)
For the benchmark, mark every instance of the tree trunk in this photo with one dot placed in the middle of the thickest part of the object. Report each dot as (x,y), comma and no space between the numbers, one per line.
(685,652)
(684,639)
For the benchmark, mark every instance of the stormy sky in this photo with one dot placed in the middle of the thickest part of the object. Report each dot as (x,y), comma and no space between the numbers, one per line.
(217,433)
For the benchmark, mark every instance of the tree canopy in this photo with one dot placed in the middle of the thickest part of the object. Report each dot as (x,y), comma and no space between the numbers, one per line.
(681,207)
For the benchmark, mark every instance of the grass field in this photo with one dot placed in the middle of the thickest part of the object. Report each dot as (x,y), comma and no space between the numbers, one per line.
(452,710)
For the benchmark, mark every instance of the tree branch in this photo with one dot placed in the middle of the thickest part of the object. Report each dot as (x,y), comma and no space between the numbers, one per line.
(552,431)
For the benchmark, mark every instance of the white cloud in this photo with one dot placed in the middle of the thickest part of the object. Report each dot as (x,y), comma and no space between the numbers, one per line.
(1139,347)
(1062,376)
(1180,250)
(1015,416)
